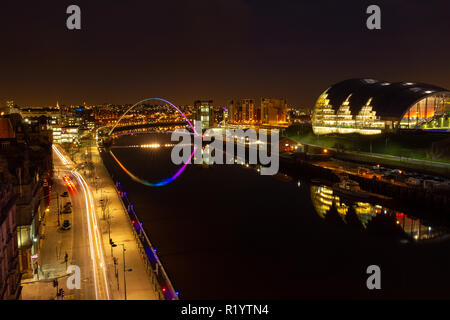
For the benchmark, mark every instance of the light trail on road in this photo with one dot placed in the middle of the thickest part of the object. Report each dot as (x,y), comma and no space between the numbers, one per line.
(95,239)
(94,232)
(60,155)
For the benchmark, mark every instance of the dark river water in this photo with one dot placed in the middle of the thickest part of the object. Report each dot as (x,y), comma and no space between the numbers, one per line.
(224,231)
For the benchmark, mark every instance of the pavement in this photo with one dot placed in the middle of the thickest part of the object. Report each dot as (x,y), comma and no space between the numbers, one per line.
(87,242)
(115,225)
(55,243)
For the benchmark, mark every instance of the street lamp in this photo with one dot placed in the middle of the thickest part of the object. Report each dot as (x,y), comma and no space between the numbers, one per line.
(57,202)
(125,270)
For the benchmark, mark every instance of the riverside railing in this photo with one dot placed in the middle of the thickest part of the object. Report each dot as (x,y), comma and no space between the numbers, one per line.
(154,267)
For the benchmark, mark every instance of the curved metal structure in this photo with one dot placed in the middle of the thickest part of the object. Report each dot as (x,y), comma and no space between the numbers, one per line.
(148,99)
(143,181)
(369,106)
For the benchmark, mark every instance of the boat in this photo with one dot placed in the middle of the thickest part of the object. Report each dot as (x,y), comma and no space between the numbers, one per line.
(347,187)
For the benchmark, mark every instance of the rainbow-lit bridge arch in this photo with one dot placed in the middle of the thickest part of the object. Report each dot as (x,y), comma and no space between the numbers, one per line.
(133,176)
(149,99)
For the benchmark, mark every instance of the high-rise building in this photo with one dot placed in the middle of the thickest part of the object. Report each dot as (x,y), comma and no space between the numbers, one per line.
(248,110)
(204,113)
(234,111)
(244,111)
(225,115)
(273,111)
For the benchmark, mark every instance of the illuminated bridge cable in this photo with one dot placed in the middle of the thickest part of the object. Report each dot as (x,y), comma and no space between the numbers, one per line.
(158,99)
(158,183)
(164,181)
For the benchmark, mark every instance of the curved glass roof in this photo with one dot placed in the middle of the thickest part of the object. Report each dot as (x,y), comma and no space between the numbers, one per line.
(389,99)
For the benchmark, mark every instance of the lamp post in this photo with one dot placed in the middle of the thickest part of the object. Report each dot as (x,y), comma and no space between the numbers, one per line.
(57,204)
(125,270)
(124,273)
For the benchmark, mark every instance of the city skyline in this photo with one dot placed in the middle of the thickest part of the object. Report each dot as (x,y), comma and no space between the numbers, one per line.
(223,151)
(218,50)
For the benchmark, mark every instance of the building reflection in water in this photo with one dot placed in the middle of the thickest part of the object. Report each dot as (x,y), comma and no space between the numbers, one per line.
(323,199)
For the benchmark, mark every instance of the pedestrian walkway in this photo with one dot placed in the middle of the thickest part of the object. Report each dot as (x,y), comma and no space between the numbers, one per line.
(54,244)
(140,284)
(115,225)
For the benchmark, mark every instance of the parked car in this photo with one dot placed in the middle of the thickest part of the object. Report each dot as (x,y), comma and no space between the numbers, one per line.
(64,194)
(67,210)
(66,225)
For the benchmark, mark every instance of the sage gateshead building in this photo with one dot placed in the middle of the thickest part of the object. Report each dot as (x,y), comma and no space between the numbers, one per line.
(369,106)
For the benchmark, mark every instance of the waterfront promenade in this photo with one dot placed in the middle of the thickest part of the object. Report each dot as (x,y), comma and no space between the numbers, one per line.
(139,283)
(56,243)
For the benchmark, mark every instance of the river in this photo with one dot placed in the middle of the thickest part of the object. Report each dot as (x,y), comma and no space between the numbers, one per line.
(226,232)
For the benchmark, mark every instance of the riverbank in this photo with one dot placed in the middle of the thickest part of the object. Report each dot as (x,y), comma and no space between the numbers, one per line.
(431,202)
(227,232)
(115,225)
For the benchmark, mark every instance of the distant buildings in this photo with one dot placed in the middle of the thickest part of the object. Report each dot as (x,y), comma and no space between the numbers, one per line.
(235,111)
(203,110)
(10,108)
(244,111)
(273,111)
(33,114)
(65,134)
(299,115)
(249,110)
(65,122)
(142,114)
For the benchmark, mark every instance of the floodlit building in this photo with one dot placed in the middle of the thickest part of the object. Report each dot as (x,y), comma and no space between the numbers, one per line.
(235,111)
(244,111)
(273,111)
(33,115)
(369,106)
(66,134)
(204,113)
(249,110)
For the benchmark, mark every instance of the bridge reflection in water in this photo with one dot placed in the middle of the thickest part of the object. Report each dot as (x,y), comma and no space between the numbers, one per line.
(371,217)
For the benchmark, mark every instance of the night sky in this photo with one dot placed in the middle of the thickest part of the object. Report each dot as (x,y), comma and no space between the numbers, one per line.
(128,50)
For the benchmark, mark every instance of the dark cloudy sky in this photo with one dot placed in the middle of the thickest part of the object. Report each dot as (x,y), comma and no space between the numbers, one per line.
(216,49)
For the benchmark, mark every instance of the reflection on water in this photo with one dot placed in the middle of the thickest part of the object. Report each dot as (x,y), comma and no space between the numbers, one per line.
(247,227)
(330,206)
